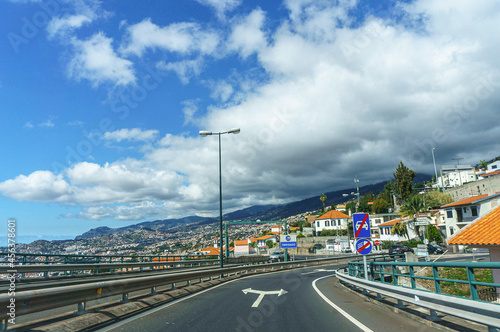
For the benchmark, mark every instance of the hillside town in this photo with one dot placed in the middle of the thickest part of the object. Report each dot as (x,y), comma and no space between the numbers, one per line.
(400,213)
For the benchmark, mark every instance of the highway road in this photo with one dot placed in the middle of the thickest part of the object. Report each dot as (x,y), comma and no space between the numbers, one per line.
(308,299)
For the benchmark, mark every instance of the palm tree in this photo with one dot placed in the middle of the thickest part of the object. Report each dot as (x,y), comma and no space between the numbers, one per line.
(400,229)
(483,164)
(414,205)
(322,198)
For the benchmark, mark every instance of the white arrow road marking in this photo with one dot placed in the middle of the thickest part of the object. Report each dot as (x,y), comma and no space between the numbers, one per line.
(262,294)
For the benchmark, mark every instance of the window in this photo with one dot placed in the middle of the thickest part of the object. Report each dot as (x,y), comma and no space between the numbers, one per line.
(473,209)
(327,223)
(449,214)
(494,166)
(317,223)
(451,231)
(339,222)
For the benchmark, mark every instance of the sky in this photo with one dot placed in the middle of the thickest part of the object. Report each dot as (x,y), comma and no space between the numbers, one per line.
(102,102)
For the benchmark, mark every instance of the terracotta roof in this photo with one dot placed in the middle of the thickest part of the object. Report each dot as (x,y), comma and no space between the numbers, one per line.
(333,214)
(265,237)
(241,243)
(391,222)
(485,231)
(466,201)
(491,173)
(252,239)
(294,228)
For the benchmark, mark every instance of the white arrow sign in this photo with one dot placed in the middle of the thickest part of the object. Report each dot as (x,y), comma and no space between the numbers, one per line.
(262,294)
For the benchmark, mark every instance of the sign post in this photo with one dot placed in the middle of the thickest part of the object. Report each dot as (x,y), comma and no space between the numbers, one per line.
(361,225)
(288,241)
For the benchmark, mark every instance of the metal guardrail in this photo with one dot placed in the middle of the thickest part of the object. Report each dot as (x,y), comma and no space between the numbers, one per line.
(26,258)
(45,269)
(40,300)
(385,278)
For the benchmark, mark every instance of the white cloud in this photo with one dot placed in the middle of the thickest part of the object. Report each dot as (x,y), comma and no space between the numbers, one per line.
(96,61)
(135,134)
(185,70)
(181,38)
(247,36)
(221,90)
(221,6)
(189,109)
(66,24)
(340,101)
(38,186)
(47,124)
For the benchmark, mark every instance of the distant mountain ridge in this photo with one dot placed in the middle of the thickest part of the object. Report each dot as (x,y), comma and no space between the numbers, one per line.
(258,212)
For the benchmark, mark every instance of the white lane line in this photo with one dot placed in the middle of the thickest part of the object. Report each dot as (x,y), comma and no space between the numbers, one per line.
(336,307)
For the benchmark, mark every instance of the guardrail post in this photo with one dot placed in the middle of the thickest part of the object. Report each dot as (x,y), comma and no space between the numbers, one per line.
(3,325)
(433,317)
(124,297)
(82,306)
(173,285)
(473,288)
(188,283)
(153,290)
(400,304)
(379,297)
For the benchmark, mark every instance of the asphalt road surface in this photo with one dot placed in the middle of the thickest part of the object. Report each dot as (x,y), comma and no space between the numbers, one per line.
(308,299)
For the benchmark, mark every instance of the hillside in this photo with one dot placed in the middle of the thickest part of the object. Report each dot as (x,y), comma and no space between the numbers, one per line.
(259,212)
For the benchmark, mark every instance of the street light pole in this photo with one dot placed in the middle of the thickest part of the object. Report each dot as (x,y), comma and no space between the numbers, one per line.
(208,133)
(357,192)
(435,169)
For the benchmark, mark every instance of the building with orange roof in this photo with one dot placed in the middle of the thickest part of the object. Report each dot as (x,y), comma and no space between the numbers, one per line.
(332,220)
(385,230)
(459,214)
(243,248)
(261,241)
(483,233)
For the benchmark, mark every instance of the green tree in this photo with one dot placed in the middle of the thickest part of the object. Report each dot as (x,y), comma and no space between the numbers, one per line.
(380,205)
(403,182)
(437,199)
(433,234)
(300,235)
(351,206)
(483,164)
(400,229)
(414,205)
(386,194)
(322,198)
(270,244)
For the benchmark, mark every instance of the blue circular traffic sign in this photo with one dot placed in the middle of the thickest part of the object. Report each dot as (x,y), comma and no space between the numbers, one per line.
(363,246)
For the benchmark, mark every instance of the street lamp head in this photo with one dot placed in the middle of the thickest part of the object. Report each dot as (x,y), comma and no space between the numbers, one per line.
(234,131)
(345,195)
(205,133)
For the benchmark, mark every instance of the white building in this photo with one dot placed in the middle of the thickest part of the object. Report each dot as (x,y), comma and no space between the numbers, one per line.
(462,213)
(456,175)
(333,219)
(386,234)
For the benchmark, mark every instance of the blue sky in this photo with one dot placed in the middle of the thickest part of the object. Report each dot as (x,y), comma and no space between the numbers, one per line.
(101,102)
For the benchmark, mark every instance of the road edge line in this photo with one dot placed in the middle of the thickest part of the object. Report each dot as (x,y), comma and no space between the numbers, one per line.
(336,307)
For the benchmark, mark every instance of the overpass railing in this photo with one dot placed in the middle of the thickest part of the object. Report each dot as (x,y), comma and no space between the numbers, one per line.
(448,287)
